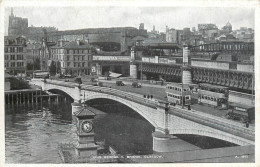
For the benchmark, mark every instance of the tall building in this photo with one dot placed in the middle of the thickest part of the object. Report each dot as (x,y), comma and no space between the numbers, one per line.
(227,27)
(141,26)
(17,25)
(33,56)
(15,55)
(70,58)
(171,35)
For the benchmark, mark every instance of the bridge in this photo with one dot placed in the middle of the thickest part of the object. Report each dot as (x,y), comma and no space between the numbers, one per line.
(166,121)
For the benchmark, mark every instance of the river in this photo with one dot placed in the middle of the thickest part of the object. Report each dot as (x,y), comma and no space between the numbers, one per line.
(33,133)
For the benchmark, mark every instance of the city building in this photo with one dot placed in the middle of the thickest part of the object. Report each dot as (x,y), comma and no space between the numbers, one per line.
(171,35)
(33,57)
(71,58)
(15,55)
(203,27)
(227,27)
(32,52)
(19,26)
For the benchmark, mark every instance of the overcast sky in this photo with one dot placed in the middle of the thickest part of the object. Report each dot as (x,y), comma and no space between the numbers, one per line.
(68,18)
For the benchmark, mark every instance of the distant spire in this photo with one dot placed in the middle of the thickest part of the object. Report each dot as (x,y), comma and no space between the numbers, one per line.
(12,12)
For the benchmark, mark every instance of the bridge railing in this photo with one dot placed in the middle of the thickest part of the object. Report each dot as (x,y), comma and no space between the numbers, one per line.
(62,83)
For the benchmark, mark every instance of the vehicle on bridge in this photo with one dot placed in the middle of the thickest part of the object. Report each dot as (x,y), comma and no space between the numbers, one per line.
(175,95)
(78,80)
(41,74)
(241,106)
(120,83)
(136,85)
(213,95)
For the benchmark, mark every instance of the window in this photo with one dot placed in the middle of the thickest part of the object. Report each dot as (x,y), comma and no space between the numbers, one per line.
(83,64)
(12,57)
(6,64)
(187,97)
(6,57)
(12,64)
(75,64)
(68,64)
(19,57)
(68,57)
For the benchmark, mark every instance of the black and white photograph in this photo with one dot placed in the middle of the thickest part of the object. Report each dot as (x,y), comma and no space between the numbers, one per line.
(123,83)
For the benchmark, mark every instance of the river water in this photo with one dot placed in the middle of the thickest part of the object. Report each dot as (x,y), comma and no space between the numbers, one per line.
(33,133)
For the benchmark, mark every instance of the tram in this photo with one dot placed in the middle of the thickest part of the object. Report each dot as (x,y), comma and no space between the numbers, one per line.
(241,106)
(41,74)
(213,95)
(174,94)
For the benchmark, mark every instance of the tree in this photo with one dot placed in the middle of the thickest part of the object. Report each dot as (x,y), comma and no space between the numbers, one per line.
(58,67)
(37,64)
(52,68)
(29,66)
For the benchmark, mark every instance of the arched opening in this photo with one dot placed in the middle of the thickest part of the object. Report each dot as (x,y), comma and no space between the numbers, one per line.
(61,107)
(121,127)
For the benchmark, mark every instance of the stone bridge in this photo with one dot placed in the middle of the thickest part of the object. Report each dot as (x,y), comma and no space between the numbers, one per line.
(167,121)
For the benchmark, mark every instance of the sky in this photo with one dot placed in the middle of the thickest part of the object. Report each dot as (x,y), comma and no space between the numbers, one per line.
(69,18)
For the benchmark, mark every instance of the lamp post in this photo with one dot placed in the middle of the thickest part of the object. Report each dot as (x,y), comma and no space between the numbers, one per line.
(141,70)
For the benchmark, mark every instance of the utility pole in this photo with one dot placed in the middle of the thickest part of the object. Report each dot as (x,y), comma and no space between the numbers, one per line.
(182,106)
(33,66)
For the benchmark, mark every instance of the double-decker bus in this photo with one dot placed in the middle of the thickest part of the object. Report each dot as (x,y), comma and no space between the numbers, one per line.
(41,74)
(213,95)
(174,94)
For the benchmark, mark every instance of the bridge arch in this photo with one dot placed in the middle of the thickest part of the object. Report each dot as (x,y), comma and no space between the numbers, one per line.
(69,91)
(60,92)
(140,109)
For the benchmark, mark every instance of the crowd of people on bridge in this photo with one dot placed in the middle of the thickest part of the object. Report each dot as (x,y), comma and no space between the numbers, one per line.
(148,96)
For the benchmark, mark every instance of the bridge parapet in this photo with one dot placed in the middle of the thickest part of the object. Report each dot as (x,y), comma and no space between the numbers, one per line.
(217,124)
